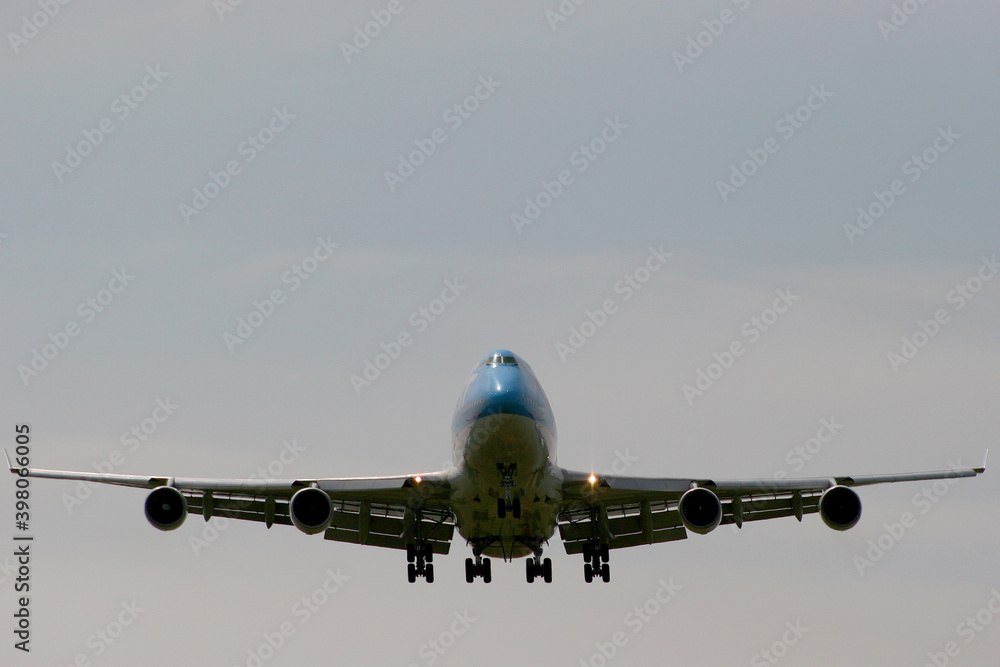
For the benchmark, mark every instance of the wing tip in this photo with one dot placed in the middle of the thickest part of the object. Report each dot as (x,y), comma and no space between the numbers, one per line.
(12,468)
(979,470)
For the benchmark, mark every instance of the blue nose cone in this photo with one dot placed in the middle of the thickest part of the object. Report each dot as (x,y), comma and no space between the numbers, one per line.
(507,391)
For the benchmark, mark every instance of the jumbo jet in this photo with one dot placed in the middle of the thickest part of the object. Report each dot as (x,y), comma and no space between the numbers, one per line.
(504,493)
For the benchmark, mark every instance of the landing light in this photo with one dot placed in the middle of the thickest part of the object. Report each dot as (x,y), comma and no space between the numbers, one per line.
(418,479)
(592,479)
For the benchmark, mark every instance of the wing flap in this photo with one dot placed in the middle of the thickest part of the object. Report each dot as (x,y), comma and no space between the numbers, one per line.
(633,524)
(244,507)
(390,526)
(758,508)
(620,526)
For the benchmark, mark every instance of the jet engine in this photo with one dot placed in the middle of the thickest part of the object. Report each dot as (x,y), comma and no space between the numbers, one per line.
(166,508)
(700,510)
(840,507)
(311,510)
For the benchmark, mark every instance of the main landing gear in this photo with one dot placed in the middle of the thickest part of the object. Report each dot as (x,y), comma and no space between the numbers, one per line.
(478,568)
(595,556)
(420,557)
(537,567)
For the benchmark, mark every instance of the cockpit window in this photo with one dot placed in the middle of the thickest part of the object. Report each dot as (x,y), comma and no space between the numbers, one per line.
(500,360)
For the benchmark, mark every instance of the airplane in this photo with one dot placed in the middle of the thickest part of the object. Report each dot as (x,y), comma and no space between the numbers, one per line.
(504,493)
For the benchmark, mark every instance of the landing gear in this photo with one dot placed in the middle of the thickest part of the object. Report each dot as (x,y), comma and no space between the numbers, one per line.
(595,556)
(514,505)
(480,567)
(507,503)
(420,557)
(537,567)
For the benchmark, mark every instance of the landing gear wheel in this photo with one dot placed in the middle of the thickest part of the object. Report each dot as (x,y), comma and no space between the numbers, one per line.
(588,572)
(605,553)
(480,567)
(516,508)
(419,554)
(501,508)
(606,573)
(537,568)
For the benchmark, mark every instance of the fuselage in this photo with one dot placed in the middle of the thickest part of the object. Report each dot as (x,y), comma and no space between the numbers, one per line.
(504,439)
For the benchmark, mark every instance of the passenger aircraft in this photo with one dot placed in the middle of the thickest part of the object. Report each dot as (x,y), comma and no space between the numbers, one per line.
(504,493)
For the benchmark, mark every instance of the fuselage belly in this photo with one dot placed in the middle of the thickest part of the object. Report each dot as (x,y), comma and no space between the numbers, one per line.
(504,441)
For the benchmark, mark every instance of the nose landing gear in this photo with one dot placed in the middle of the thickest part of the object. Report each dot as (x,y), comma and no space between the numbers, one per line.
(508,504)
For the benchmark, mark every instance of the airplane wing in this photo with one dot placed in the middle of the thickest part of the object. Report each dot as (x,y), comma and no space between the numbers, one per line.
(377,511)
(623,511)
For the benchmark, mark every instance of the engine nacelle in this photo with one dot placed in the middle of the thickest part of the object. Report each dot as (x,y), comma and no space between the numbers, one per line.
(700,510)
(166,508)
(840,507)
(311,510)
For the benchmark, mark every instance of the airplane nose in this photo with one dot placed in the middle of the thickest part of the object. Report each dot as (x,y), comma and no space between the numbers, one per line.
(507,392)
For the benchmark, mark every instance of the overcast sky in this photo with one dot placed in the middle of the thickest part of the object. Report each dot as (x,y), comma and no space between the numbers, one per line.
(215,214)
